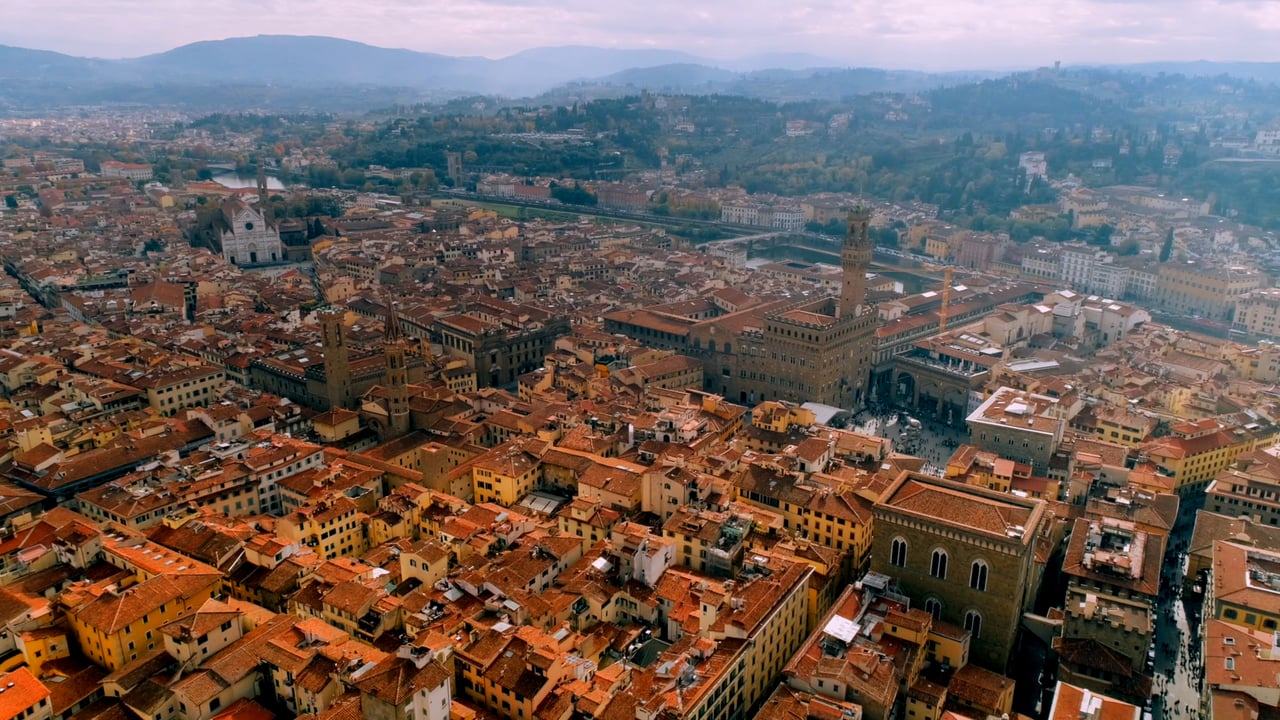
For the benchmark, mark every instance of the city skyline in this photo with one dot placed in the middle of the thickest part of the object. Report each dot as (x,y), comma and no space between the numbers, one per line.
(914,34)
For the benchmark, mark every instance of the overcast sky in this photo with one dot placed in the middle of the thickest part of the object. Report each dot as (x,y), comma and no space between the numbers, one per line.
(925,34)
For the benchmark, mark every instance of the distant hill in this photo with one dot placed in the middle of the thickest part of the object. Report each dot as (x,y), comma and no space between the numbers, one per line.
(281,69)
(776,84)
(44,66)
(532,68)
(1266,72)
(834,83)
(313,61)
(678,77)
(780,61)
(302,60)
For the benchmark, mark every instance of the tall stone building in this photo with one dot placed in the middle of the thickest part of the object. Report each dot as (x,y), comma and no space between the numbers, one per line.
(338,373)
(337,358)
(821,351)
(395,384)
(798,351)
(500,340)
(248,237)
(966,555)
(855,259)
(1112,567)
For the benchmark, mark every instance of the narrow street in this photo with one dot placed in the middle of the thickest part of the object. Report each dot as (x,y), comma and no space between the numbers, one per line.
(1177,672)
(1176,667)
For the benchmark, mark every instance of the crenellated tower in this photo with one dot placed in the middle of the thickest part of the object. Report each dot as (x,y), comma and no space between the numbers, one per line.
(855,260)
(396,381)
(337,358)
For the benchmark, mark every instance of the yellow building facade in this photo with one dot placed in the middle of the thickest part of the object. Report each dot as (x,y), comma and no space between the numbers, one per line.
(122,624)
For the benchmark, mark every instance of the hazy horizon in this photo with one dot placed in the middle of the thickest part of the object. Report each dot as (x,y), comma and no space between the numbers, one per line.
(934,35)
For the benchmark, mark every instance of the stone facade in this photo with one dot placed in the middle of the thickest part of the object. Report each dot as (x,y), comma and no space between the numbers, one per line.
(820,351)
(1023,427)
(937,536)
(809,351)
(247,238)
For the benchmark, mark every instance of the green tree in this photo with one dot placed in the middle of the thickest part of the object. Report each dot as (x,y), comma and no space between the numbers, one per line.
(575,195)
(11,201)
(425,179)
(885,237)
(1166,250)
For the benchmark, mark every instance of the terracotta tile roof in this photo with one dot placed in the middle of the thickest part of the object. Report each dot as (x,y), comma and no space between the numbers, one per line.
(396,680)
(1175,448)
(13,499)
(245,709)
(149,698)
(965,507)
(204,541)
(104,709)
(980,688)
(1241,575)
(317,675)
(1134,564)
(124,451)
(26,692)
(1240,658)
(235,662)
(210,616)
(14,605)
(786,703)
(200,686)
(138,671)
(351,597)
(344,707)
(1228,705)
(110,612)
(1212,527)
(1071,702)
(1155,512)
(616,477)
(1089,653)
(80,680)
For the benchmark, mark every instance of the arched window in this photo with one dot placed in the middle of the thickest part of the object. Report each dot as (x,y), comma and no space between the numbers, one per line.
(933,606)
(898,553)
(938,564)
(978,575)
(973,623)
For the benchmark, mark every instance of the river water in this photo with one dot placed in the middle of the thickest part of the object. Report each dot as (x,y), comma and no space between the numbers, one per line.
(233,180)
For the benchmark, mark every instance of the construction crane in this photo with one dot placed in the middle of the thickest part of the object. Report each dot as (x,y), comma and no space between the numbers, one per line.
(946,300)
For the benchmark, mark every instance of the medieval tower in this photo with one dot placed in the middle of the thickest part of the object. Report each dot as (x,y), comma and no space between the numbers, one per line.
(337,360)
(855,259)
(816,350)
(396,380)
